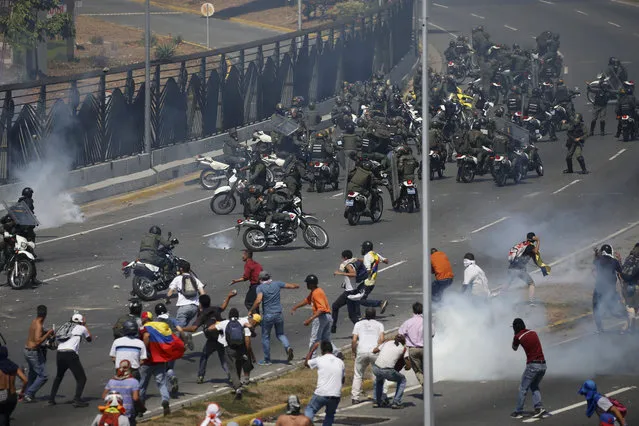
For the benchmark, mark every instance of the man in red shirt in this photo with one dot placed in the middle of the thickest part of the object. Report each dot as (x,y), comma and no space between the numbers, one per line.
(252,271)
(535,368)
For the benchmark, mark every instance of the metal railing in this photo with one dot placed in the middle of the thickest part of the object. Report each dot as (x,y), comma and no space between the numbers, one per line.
(98,116)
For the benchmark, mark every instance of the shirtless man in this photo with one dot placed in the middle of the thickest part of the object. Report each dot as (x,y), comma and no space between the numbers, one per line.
(36,354)
(293,417)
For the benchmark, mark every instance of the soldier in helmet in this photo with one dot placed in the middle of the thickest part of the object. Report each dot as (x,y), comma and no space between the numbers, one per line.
(27,198)
(577,135)
(436,139)
(407,166)
(360,179)
(150,248)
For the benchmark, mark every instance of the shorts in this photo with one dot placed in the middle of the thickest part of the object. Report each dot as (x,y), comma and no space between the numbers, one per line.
(519,274)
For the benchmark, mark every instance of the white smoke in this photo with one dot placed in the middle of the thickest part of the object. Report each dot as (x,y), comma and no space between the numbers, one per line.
(221,242)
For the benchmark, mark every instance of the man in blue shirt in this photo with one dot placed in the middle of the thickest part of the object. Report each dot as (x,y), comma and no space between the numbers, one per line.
(268,293)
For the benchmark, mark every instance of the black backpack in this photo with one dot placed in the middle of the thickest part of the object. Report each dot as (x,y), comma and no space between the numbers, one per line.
(234,334)
(118,326)
(361,273)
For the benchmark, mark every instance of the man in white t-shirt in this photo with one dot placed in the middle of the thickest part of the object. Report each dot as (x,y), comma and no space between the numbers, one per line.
(129,347)
(67,358)
(188,289)
(367,334)
(474,278)
(330,379)
(388,366)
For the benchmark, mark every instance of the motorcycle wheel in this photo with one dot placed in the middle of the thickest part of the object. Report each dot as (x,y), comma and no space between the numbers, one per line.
(626,135)
(460,75)
(210,179)
(500,178)
(144,289)
(315,236)
(254,239)
(468,174)
(223,204)
(352,217)
(411,204)
(22,274)
(377,210)
(518,175)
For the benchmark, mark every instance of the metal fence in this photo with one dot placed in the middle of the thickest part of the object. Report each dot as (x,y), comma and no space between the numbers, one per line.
(98,116)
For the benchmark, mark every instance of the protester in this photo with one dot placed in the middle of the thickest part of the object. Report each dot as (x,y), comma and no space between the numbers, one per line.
(162,315)
(608,409)
(268,294)
(443,271)
(208,316)
(330,378)
(35,353)
(129,388)
(475,281)
(367,334)
(129,348)
(354,273)
(371,261)
(68,358)
(252,271)
(391,359)
(112,413)
(321,318)
(293,417)
(413,332)
(605,297)
(188,289)
(213,415)
(535,368)
(8,372)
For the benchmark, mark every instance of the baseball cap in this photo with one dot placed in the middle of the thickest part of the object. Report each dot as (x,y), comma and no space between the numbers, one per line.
(257,318)
(146,315)
(264,276)
(213,410)
(77,318)
(293,405)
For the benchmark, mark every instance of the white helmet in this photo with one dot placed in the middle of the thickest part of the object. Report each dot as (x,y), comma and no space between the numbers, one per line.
(113,399)
(77,318)
(279,185)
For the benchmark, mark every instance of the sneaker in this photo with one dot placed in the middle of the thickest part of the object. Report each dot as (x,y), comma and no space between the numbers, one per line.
(383,306)
(290,354)
(27,399)
(200,380)
(77,403)
(333,329)
(517,415)
(166,409)
(539,412)
(264,363)
(175,387)
(355,401)
(396,406)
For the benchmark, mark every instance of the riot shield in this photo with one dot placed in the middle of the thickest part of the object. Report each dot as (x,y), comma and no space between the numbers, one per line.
(516,133)
(21,214)
(283,125)
(394,177)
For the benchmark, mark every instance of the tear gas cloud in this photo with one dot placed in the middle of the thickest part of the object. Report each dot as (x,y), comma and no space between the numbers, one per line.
(221,242)
(54,205)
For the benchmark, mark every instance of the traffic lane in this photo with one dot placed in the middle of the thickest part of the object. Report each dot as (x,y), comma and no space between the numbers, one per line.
(114,6)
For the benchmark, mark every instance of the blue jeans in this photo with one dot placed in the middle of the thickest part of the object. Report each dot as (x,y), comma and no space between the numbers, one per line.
(269,321)
(37,363)
(186,314)
(530,380)
(438,287)
(391,375)
(316,404)
(159,372)
(321,329)
(365,301)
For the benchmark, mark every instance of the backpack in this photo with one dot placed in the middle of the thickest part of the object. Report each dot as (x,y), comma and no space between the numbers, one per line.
(630,266)
(517,251)
(189,287)
(210,334)
(109,419)
(619,406)
(234,333)
(65,332)
(117,327)
(361,273)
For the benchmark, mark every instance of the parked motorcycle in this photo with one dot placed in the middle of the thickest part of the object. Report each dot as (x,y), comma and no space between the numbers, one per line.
(18,260)
(628,128)
(437,164)
(224,201)
(605,83)
(534,160)
(214,172)
(258,236)
(149,279)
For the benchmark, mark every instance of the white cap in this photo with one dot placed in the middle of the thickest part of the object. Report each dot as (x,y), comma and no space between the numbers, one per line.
(213,410)
(77,318)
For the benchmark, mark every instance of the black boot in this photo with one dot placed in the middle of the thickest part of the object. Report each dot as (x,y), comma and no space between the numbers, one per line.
(568,165)
(593,123)
(602,126)
(582,163)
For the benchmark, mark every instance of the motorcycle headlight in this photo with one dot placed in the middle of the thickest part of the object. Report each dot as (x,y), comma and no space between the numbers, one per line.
(23,246)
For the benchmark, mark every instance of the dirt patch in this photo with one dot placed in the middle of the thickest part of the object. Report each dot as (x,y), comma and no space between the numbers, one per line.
(101,44)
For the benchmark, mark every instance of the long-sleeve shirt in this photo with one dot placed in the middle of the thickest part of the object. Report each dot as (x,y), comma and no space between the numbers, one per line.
(413,330)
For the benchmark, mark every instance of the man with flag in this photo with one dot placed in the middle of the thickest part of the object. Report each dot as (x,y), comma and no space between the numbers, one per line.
(162,346)
(371,262)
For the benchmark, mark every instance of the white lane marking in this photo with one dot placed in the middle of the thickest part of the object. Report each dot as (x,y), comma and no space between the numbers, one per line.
(566,69)
(582,403)
(621,151)
(477,16)
(341,194)
(130,13)
(122,222)
(511,28)
(326,117)
(546,2)
(221,231)
(489,225)
(626,3)
(440,5)
(614,24)
(581,12)
(392,265)
(443,29)
(532,194)
(57,277)
(567,186)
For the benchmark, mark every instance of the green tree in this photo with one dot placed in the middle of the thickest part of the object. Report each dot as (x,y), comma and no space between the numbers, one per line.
(22,29)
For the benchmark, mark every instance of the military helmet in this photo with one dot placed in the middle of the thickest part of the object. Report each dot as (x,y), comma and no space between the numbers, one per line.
(367,246)
(27,192)
(452,43)
(367,165)
(155,230)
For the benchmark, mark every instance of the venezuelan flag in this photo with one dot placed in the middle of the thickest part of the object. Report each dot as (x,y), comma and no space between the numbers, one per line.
(373,272)
(164,346)
(545,269)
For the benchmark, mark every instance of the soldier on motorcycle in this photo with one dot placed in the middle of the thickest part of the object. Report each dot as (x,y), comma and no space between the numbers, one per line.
(361,179)
(616,71)
(322,149)
(407,167)
(257,170)
(626,105)
(563,96)
(151,248)
(472,145)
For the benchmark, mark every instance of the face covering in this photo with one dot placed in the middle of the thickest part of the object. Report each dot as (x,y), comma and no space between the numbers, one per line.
(468,262)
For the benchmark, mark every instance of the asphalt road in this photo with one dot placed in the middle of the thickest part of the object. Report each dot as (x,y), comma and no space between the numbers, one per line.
(567,212)
(191,27)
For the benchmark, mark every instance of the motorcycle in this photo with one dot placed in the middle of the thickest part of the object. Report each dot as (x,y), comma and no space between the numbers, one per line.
(224,201)
(149,279)
(469,165)
(408,192)
(628,128)
(437,164)
(508,167)
(325,172)
(356,206)
(258,237)
(534,160)
(603,82)
(459,70)
(214,172)
(18,260)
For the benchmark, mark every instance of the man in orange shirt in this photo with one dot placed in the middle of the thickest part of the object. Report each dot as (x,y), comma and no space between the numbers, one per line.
(440,265)
(321,318)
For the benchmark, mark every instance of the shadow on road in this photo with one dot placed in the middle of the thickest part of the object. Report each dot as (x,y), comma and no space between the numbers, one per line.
(253,6)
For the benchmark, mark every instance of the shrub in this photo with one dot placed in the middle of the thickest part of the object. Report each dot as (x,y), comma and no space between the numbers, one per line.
(96,40)
(165,51)
(178,39)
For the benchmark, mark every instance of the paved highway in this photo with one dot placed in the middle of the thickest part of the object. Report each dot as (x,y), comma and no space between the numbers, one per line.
(567,212)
